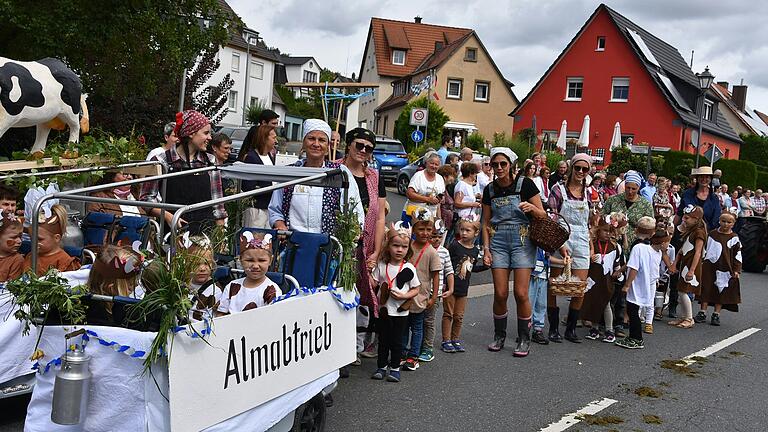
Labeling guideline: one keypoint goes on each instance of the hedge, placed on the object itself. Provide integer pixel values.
(762, 180)
(738, 173)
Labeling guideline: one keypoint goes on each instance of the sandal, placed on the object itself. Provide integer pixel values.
(675, 322)
(685, 324)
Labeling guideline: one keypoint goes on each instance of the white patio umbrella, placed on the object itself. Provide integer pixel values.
(584, 135)
(561, 138)
(616, 139)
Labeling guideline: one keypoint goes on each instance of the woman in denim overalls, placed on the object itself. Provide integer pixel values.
(570, 201)
(508, 247)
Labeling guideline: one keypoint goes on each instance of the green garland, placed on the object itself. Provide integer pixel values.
(348, 233)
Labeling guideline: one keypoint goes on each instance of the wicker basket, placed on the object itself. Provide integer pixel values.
(567, 287)
(548, 234)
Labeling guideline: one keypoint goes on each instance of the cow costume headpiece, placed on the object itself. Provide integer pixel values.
(251, 240)
(122, 267)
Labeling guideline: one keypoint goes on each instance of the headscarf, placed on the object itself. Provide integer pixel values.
(311, 125)
(188, 122)
(633, 177)
(506, 151)
(581, 157)
(360, 133)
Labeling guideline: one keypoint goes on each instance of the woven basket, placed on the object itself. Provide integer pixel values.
(548, 234)
(567, 287)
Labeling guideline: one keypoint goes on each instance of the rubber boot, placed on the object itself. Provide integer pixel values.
(553, 314)
(570, 326)
(499, 333)
(523, 338)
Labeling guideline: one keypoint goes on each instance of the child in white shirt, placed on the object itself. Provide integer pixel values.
(255, 289)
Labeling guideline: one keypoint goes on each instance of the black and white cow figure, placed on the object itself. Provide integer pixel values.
(45, 94)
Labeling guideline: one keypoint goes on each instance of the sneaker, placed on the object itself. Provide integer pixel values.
(393, 376)
(426, 355)
(715, 319)
(609, 337)
(357, 361)
(648, 328)
(594, 334)
(447, 346)
(379, 374)
(554, 336)
(497, 344)
(371, 351)
(459, 346)
(630, 343)
(620, 332)
(539, 338)
(411, 364)
(700, 317)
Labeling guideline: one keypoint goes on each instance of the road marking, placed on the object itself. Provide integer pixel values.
(569, 420)
(708, 351)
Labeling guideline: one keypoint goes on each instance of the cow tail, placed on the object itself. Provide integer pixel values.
(84, 123)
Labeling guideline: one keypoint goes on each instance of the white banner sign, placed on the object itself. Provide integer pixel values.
(419, 116)
(255, 356)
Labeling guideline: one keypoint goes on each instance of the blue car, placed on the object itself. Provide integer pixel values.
(390, 156)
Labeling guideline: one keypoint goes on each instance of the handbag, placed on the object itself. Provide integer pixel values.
(548, 234)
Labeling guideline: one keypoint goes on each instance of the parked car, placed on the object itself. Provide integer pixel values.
(236, 134)
(390, 157)
(406, 172)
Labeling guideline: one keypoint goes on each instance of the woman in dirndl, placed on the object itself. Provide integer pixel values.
(569, 199)
(507, 202)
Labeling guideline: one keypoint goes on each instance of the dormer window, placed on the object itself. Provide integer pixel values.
(470, 55)
(398, 57)
(438, 46)
(709, 110)
(600, 43)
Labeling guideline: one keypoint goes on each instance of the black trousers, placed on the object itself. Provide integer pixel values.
(635, 328)
(618, 302)
(390, 329)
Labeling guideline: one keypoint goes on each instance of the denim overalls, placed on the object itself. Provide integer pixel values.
(576, 213)
(511, 247)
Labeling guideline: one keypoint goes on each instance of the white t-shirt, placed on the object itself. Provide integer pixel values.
(646, 261)
(482, 182)
(468, 196)
(157, 151)
(422, 186)
(237, 298)
(386, 273)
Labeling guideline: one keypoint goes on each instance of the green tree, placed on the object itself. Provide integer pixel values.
(623, 160)
(475, 141)
(754, 149)
(253, 112)
(130, 54)
(211, 100)
(435, 122)
(310, 107)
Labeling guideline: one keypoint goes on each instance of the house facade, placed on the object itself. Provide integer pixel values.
(615, 71)
(298, 69)
(742, 118)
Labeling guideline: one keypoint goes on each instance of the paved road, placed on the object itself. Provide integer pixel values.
(484, 391)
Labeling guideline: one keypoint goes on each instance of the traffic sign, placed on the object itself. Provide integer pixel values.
(417, 136)
(419, 117)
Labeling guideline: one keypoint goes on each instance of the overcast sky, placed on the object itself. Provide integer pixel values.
(525, 36)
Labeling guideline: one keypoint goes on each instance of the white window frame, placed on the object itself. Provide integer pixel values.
(394, 57)
(600, 39)
(232, 101)
(257, 66)
(619, 82)
(709, 110)
(235, 62)
(487, 91)
(574, 81)
(448, 89)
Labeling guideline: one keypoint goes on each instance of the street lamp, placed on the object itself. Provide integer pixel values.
(705, 80)
(249, 41)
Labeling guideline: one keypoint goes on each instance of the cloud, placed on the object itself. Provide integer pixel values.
(525, 36)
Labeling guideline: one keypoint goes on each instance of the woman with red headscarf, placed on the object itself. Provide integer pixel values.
(194, 132)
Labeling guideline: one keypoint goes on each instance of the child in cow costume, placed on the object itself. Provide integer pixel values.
(53, 226)
(255, 289)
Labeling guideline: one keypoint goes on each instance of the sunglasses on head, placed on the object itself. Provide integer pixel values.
(362, 147)
(501, 164)
(581, 169)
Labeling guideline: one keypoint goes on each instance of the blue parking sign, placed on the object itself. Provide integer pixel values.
(417, 136)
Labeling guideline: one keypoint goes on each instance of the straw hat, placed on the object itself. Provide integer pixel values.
(703, 170)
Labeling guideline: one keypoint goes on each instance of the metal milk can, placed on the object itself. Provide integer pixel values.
(70, 390)
(74, 235)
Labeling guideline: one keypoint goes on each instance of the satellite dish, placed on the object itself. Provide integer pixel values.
(695, 138)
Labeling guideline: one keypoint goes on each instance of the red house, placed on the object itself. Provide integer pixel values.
(615, 71)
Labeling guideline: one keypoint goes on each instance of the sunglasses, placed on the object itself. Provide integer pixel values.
(581, 169)
(501, 165)
(364, 148)
(486, 164)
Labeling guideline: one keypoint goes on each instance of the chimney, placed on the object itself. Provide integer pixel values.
(417, 19)
(723, 84)
(739, 97)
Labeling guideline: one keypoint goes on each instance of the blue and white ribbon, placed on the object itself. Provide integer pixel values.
(294, 292)
(117, 347)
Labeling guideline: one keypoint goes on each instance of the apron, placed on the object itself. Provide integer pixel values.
(190, 189)
(576, 213)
